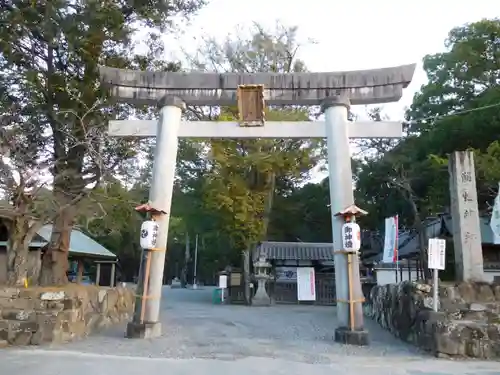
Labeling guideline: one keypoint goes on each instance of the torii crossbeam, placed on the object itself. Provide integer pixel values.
(272, 129)
(198, 88)
(335, 92)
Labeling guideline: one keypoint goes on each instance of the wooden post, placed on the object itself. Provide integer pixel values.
(246, 276)
(98, 274)
(351, 299)
(146, 286)
(79, 275)
(112, 278)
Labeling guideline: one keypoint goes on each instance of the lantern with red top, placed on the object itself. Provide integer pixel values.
(351, 232)
(149, 229)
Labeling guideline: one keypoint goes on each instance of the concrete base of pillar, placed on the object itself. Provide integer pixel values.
(346, 336)
(143, 330)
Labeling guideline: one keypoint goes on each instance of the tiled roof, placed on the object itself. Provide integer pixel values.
(442, 226)
(408, 241)
(295, 251)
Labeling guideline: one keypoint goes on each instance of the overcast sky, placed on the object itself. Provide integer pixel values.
(351, 34)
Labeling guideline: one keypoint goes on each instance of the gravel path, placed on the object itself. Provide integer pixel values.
(202, 338)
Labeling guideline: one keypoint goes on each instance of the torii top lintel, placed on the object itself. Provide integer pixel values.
(199, 88)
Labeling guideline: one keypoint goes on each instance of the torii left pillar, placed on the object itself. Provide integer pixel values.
(342, 196)
(146, 324)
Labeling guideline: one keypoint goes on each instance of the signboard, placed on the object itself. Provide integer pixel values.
(235, 279)
(391, 240)
(286, 274)
(436, 254)
(495, 219)
(306, 284)
(223, 281)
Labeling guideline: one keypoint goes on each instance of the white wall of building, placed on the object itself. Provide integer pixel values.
(489, 275)
(386, 276)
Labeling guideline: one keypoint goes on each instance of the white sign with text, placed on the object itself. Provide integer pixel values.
(436, 254)
(306, 284)
(223, 281)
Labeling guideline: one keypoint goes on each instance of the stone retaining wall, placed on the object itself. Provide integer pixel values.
(35, 316)
(466, 325)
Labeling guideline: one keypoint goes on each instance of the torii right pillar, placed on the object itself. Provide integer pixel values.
(342, 196)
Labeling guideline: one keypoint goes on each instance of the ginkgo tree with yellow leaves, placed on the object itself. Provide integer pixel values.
(244, 177)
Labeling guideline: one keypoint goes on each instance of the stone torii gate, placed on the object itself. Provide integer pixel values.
(335, 92)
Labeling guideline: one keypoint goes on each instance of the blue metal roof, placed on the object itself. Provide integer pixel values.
(484, 225)
(79, 243)
(34, 244)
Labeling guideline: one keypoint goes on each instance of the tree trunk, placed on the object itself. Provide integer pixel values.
(419, 227)
(20, 237)
(269, 203)
(246, 276)
(422, 237)
(186, 262)
(17, 254)
(422, 242)
(55, 260)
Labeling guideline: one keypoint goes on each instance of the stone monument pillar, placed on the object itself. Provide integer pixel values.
(261, 297)
(465, 216)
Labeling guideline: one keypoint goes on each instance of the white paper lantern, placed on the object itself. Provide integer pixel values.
(351, 237)
(149, 234)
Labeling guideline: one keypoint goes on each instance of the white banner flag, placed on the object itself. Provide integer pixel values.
(391, 240)
(495, 219)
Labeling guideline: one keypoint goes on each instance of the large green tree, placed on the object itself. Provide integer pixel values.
(246, 175)
(52, 50)
(225, 189)
(456, 110)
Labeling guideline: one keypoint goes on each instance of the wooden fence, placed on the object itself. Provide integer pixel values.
(286, 292)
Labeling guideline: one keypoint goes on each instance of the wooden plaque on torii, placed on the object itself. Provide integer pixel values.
(251, 105)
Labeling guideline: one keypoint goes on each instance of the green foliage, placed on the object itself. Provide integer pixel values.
(462, 81)
(243, 177)
(49, 57)
(302, 215)
(234, 193)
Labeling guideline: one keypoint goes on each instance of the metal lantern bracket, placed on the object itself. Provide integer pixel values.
(155, 214)
(348, 214)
